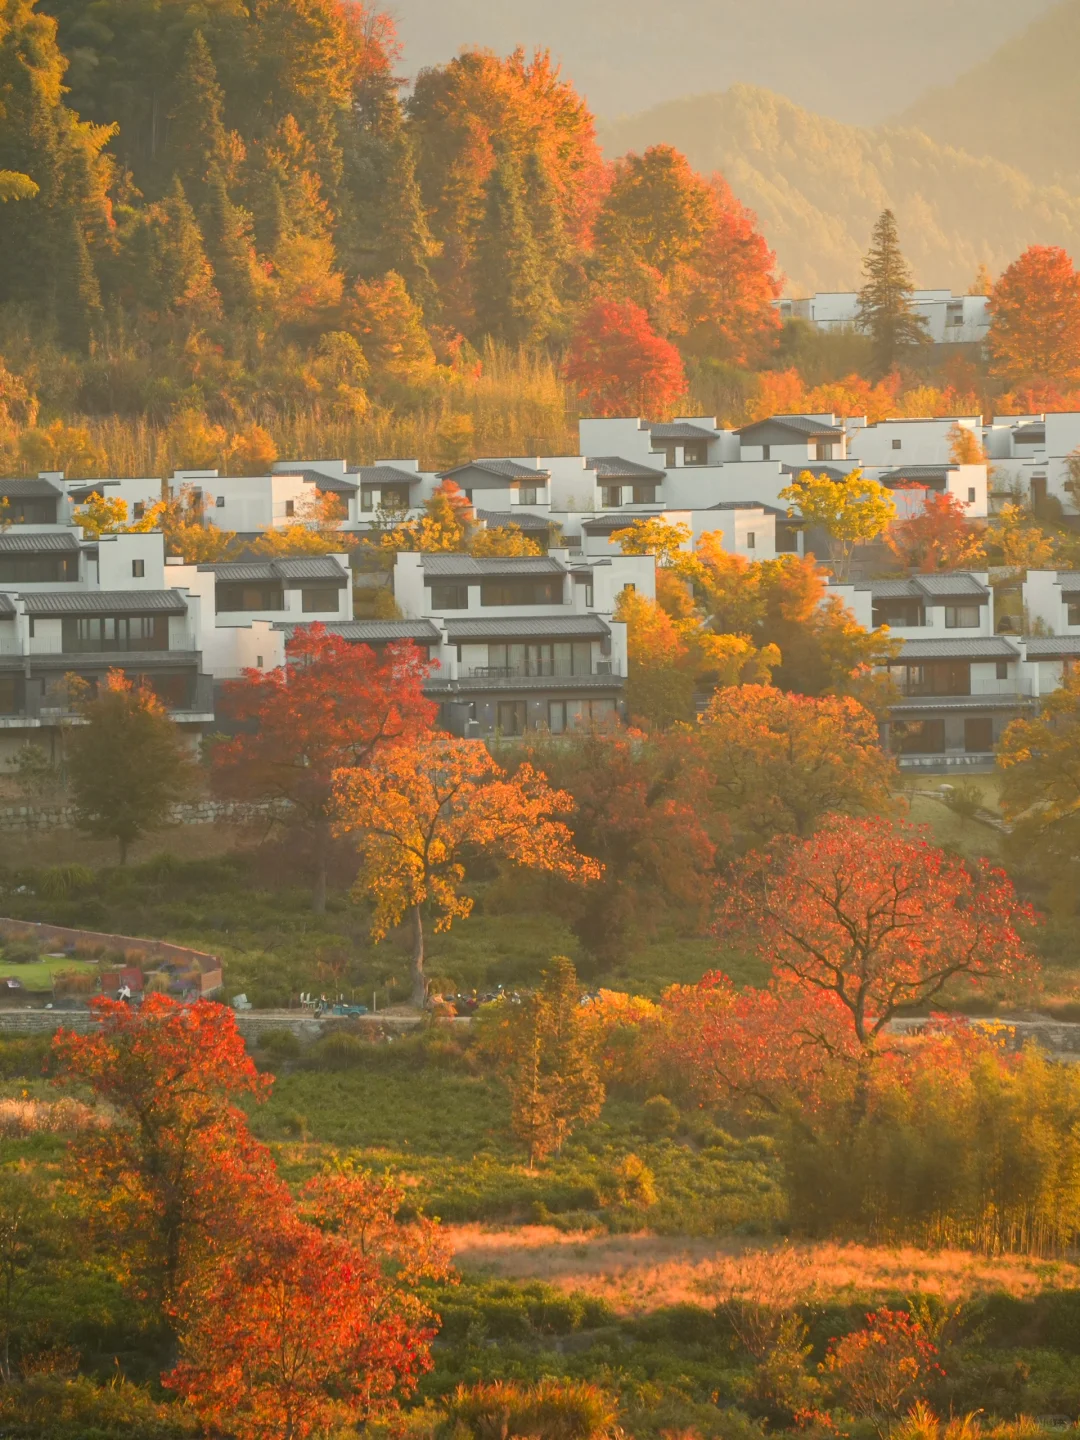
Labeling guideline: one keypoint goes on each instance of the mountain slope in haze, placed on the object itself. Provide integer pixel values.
(818, 185)
(866, 57)
(1022, 105)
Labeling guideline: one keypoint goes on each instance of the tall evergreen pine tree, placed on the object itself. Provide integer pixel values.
(198, 144)
(512, 281)
(227, 230)
(885, 310)
(77, 302)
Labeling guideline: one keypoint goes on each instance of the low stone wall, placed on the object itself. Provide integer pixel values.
(196, 812)
(59, 937)
(250, 1023)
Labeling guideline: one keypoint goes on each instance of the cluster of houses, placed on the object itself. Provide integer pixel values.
(529, 642)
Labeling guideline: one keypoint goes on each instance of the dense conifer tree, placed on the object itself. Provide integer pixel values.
(885, 310)
(512, 281)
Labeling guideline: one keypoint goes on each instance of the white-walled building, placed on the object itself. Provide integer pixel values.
(950, 319)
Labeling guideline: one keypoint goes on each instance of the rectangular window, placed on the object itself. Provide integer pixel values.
(9, 695)
(557, 717)
(449, 597)
(138, 569)
(766, 452)
(564, 657)
(522, 592)
(1002, 669)
(138, 510)
(694, 453)
(1073, 612)
(94, 634)
(971, 494)
(751, 540)
(234, 597)
(897, 444)
(320, 601)
(526, 494)
(510, 717)
(906, 613)
(917, 737)
(38, 569)
(370, 499)
(610, 496)
(290, 507)
(220, 502)
(824, 450)
(584, 587)
(978, 735)
(644, 494)
(961, 617)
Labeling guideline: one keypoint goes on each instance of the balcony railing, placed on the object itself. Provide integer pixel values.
(1013, 685)
(542, 668)
(57, 709)
(183, 641)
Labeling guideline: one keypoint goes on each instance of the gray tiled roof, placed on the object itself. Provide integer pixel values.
(681, 431)
(985, 647)
(748, 505)
(385, 475)
(17, 489)
(803, 425)
(7, 605)
(18, 542)
(105, 602)
(524, 519)
(620, 520)
(1069, 579)
(919, 474)
(506, 469)
(551, 627)
(831, 472)
(614, 467)
(947, 586)
(377, 632)
(468, 567)
(1032, 433)
(301, 567)
(1050, 647)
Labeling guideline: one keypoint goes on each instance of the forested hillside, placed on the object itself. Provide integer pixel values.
(228, 237)
(817, 185)
(1021, 106)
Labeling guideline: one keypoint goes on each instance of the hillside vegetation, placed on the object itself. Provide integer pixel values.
(1021, 105)
(817, 185)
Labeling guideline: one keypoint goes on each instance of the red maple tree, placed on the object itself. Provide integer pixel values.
(870, 912)
(331, 707)
(1035, 318)
(173, 1180)
(937, 537)
(294, 1335)
(619, 365)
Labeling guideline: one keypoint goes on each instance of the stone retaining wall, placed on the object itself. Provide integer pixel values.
(195, 812)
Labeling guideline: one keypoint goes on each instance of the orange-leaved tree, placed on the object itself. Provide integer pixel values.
(869, 911)
(417, 810)
(294, 1334)
(777, 762)
(174, 1182)
(333, 705)
(1035, 318)
(619, 365)
(937, 537)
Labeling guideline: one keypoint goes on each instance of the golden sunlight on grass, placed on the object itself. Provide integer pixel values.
(641, 1272)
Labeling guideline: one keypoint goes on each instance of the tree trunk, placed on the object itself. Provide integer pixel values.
(419, 984)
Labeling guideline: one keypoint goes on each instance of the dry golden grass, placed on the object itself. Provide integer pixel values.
(638, 1273)
(19, 1118)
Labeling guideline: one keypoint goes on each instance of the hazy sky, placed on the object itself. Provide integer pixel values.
(857, 60)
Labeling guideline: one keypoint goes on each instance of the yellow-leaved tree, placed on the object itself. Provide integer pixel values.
(849, 510)
(418, 809)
